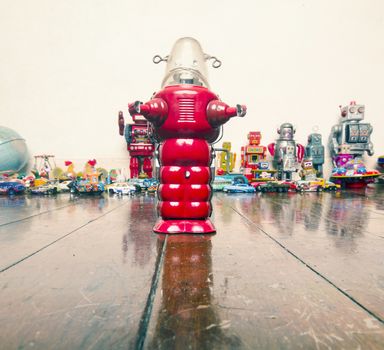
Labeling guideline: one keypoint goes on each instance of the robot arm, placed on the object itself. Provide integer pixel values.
(370, 149)
(370, 144)
(219, 112)
(271, 149)
(121, 123)
(155, 110)
(263, 155)
(335, 142)
(300, 152)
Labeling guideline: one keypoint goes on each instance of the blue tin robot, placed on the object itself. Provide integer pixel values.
(314, 151)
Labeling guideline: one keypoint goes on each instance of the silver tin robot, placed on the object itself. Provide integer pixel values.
(350, 136)
(286, 158)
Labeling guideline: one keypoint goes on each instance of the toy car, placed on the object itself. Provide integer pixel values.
(152, 189)
(143, 184)
(317, 185)
(65, 186)
(239, 188)
(90, 184)
(271, 186)
(220, 182)
(121, 188)
(331, 186)
(45, 189)
(11, 187)
(86, 187)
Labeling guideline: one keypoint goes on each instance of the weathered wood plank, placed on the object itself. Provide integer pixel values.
(339, 235)
(86, 291)
(240, 289)
(21, 207)
(23, 238)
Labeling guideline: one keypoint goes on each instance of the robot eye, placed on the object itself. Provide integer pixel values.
(343, 113)
(360, 109)
(352, 109)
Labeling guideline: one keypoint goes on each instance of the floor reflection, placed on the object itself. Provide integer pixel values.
(139, 229)
(309, 210)
(283, 210)
(187, 318)
(376, 194)
(12, 201)
(347, 218)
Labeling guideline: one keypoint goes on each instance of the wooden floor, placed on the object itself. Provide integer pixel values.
(284, 271)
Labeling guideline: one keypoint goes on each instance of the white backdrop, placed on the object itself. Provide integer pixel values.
(67, 67)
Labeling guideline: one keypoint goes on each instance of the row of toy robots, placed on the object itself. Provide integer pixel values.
(282, 162)
(48, 179)
(180, 123)
(349, 140)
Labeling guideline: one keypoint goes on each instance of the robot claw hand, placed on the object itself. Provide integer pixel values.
(135, 107)
(241, 110)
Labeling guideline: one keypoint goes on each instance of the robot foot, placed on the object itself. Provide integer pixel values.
(184, 226)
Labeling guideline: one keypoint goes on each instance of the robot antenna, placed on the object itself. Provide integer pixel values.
(157, 59)
(216, 62)
(315, 128)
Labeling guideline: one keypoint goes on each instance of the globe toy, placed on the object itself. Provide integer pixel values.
(13, 151)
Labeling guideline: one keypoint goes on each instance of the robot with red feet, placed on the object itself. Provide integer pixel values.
(140, 145)
(186, 118)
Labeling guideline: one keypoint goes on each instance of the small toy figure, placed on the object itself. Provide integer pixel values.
(285, 157)
(308, 172)
(186, 118)
(350, 139)
(227, 159)
(140, 145)
(70, 172)
(314, 151)
(89, 183)
(43, 166)
(253, 159)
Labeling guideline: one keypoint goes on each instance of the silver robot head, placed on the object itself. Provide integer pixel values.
(286, 131)
(353, 112)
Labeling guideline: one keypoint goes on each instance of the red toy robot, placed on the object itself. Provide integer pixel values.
(140, 145)
(252, 155)
(186, 117)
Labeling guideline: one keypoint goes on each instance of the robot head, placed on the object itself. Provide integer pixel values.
(352, 112)
(314, 139)
(307, 164)
(186, 64)
(286, 131)
(227, 145)
(254, 137)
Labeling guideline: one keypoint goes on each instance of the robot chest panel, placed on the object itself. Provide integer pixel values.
(140, 134)
(288, 150)
(357, 133)
(316, 152)
(187, 111)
